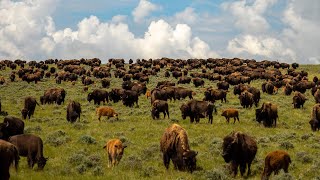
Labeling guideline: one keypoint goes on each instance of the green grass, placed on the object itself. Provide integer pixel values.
(75, 150)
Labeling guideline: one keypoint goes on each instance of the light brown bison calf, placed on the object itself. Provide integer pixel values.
(106, 111)
(275, 161)
(115, 150)
(231, 113)
(148, 94)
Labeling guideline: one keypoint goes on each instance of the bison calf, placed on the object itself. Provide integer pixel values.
(274, 162)
(231, 113)
(115, 150)
(106, 111)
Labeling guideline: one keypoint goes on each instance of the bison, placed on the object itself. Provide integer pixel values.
(215, 94)
(268, 113)
(197, 109)
(29, 107)
(229, 113)
(97, 96)
(53, 95)
(130, 97)
(30, 146)
(240, 149)
(11, 126)
(115, 150)
(73, 111)
(198, 82)
(159, 106)
(106, 111)
(246, 99)
(298, 99)
(274, 162)
(9, 155)
(174, 146)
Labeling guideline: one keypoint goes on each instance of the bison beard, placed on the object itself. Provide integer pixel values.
(239, 149)
(174, 146)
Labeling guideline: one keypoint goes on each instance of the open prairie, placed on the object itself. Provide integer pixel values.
(75, 150)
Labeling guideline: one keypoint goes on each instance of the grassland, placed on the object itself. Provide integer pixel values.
(75, 150)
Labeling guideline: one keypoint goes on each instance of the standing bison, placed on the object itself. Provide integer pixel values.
(97, 96)
(115, 150)
(73, 111)
(274, 162)
(30, 146)
(29, 107)
(106, 111)
(8, 155)
(240, 149)
(197, 109)
(159, 106)
(229, 113)
(268, 114)
(174, 146)
(298, 100)
(53, 95)
(11, 126)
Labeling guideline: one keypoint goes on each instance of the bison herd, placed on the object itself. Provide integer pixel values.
(238, 148)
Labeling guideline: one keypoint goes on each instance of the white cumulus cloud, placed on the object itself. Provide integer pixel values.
(143, 9)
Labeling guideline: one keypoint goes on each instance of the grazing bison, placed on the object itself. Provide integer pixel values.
(53, 95)
(73, 111)
(115, 150)
(159, 94)
(11, 126)
(239, 149)
(29, 107)
(184, 80)
(315, 125)
(230, 113)
(174, 146)
(268, 113)
(30, 146)
(197, 109)
(9, 155)
(159, 106)
(105, 83)
(106, 111)
(97, 96)
(274, 162)
(223, 85)
(298, 100)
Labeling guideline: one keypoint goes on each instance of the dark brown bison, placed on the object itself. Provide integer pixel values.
(317, 96)
(230, 113)
(159, 106)
(274, 162)
(53, 95)
(268, 114)
(197, 109)
(29, 107)
(315, 118)
(246, 99)
(11, 126)
(115, 94)
(184, 80)
(181, 93)
(30, 146)
(298, 99)
(240, 149)
(159, 94)
(223, 85)
(73, 111)
(105, 82)
(130, 97)
(174, 146)
(97, 96)
(215, 94)
(287, 89)
(198, 82)
(315, 125)
(9, 155)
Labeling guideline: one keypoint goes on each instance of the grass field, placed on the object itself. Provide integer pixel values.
(75, 150)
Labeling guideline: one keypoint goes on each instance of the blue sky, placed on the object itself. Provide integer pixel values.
(283, 30)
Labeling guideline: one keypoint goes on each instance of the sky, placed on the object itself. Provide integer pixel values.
(280, 30)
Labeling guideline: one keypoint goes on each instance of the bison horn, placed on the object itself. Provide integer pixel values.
(7, 124)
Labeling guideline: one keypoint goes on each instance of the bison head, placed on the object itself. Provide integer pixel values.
(3, 130)
(230, 145)
(42, 162)
(314, 123)
(24, 113)
(89, 98)
(184, 111)
(190, 160)
(155, 113)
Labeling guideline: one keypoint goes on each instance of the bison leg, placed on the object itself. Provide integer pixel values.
(249, 169)
(167, 113)
(191, 119)
(242, 169)
(210, 119)
(166, 161)
(234, 168)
